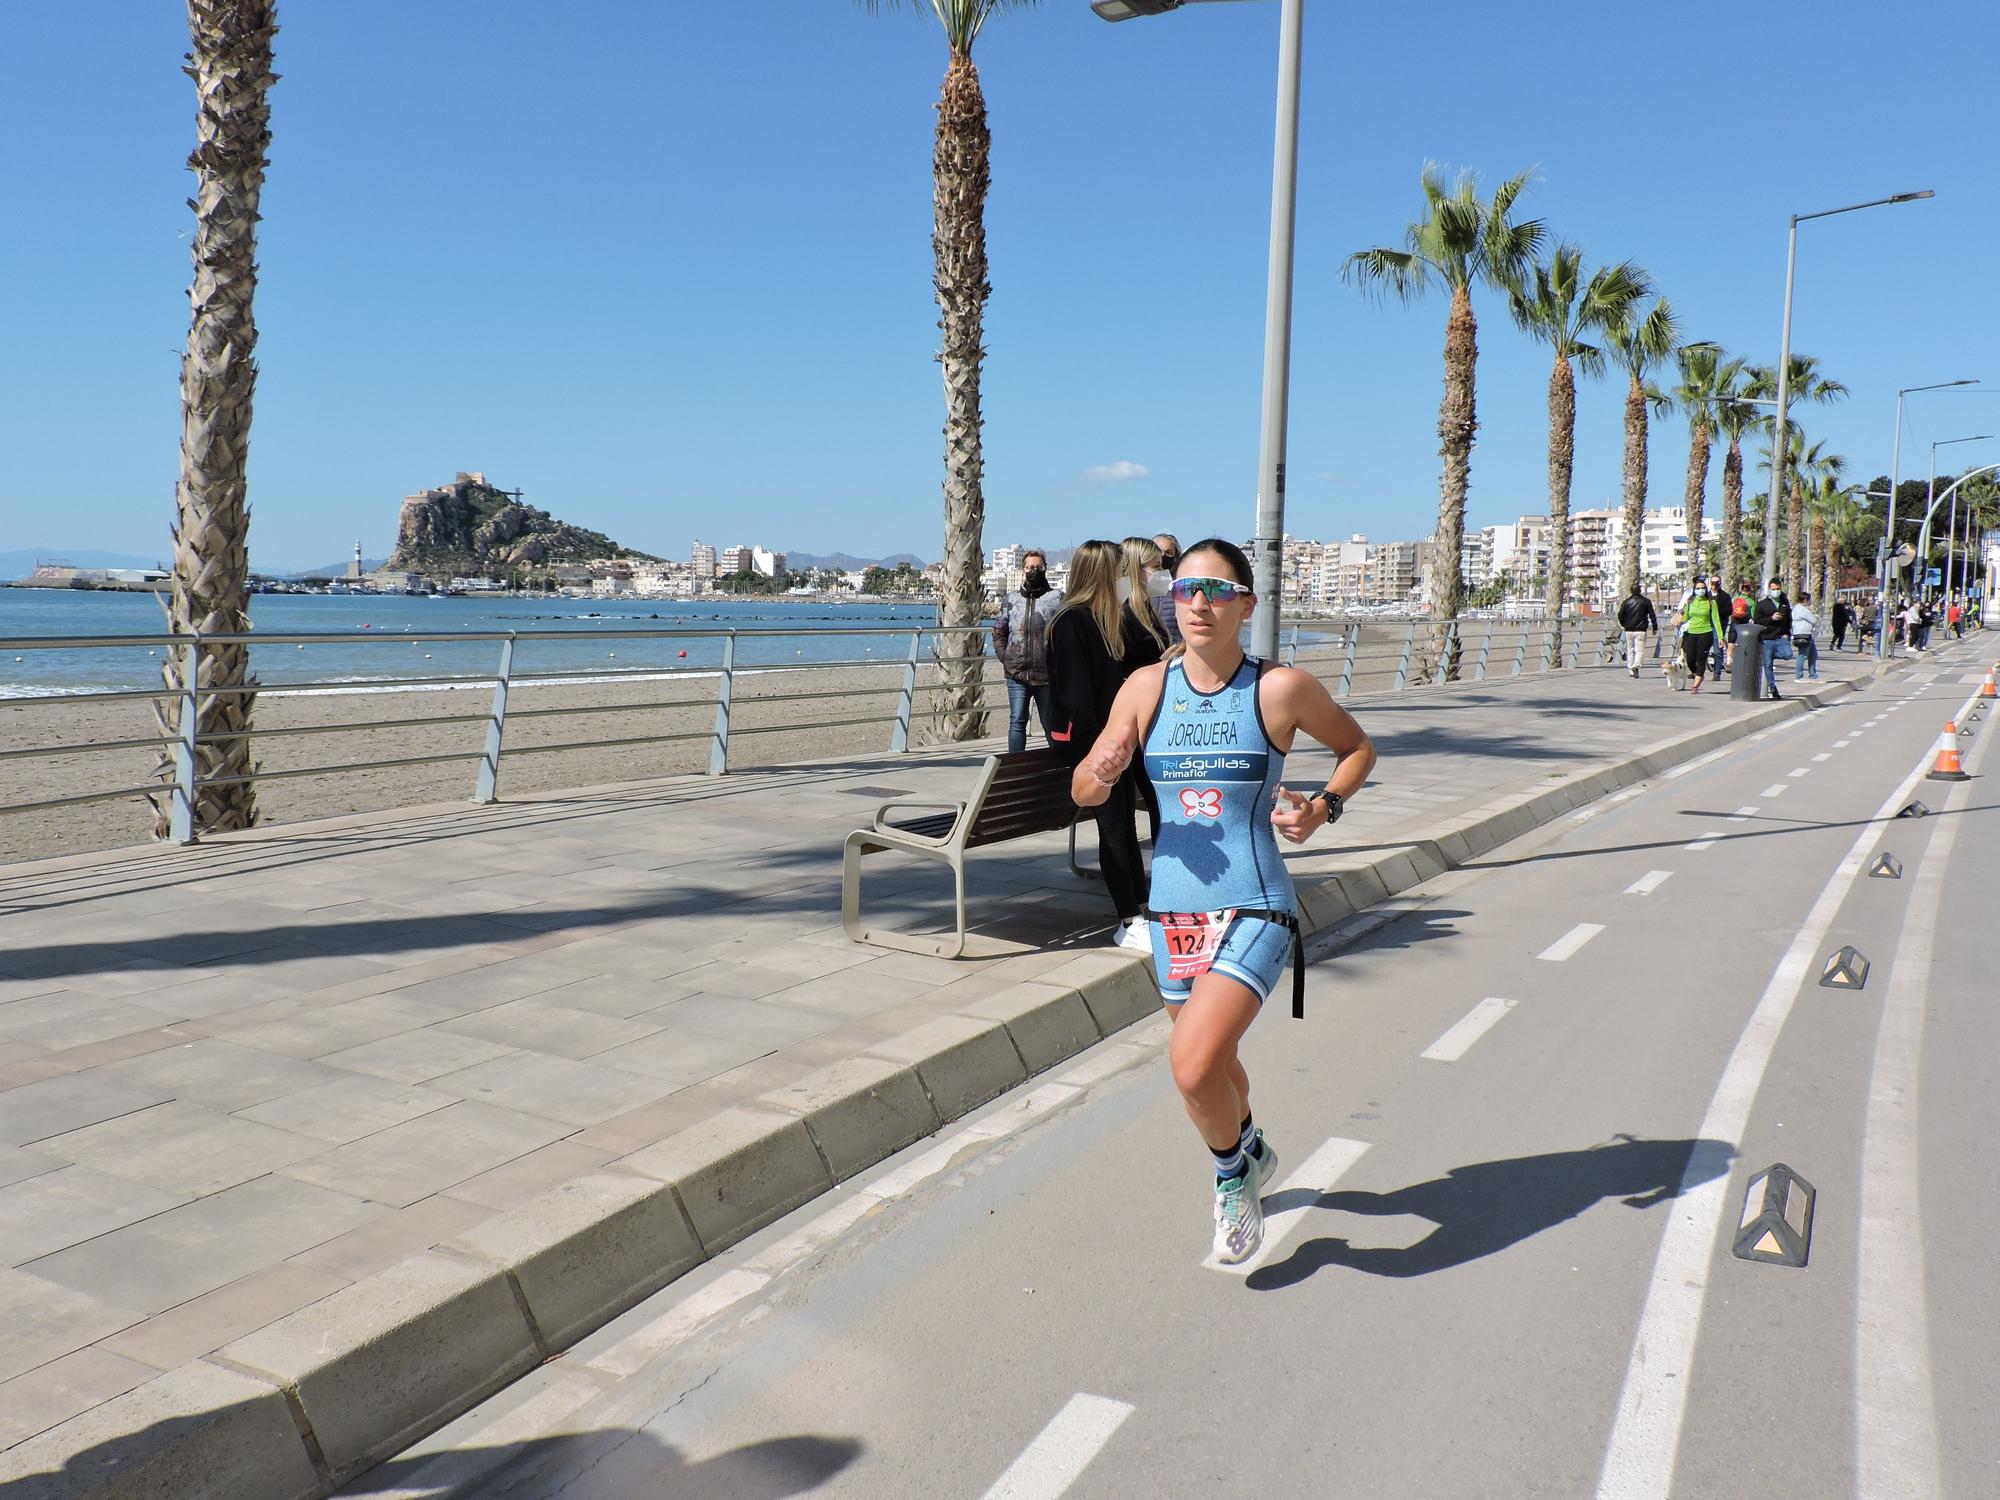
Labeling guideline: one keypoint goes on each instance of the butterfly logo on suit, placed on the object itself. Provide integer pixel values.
(1201, 802)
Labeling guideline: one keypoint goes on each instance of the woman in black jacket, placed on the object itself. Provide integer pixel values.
(1095, 643)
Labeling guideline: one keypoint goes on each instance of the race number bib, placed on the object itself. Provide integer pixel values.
(1193, 937)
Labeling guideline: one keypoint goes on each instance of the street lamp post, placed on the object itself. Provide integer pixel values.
(1267, 545)
(1778, 448)
(1930, 505)
(1895, 460)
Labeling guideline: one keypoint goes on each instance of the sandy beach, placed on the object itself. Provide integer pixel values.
(769, 725)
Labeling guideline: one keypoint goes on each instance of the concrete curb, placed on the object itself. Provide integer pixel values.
(298, 1408)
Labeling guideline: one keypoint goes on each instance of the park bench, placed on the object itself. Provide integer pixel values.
(1019, 793)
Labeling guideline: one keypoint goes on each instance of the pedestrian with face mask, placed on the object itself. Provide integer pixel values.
(1773, 619)
(1163, 598)
(1021, 641)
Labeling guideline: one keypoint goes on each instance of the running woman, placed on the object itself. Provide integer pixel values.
(1214, 726)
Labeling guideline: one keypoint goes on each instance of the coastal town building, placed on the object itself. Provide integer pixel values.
(701, 561)
(734, 560)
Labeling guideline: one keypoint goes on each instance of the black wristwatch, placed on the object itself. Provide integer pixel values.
(1334, 805)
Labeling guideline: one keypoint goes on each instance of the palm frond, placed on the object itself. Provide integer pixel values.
(962, 20)
(1382, 272)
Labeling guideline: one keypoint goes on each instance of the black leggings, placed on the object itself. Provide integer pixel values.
(1118, 847)
(1695, 646)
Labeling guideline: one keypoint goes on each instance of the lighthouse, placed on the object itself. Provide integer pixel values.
(354, 568)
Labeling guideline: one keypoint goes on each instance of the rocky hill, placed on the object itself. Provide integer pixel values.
(468, 528)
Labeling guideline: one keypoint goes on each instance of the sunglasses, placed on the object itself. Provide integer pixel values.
(1215, 590)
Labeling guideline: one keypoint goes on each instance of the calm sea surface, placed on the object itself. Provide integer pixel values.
(372, 639)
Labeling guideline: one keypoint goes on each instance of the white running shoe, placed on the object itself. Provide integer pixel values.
(1239, 1217)
(1133, 935)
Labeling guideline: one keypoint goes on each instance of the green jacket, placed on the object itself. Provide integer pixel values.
(1701, 615)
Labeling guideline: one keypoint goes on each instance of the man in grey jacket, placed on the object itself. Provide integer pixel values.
(1021, 641)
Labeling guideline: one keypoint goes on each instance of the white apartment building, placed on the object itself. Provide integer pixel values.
(1390, 575)
(702, 560)
(766, 562)
(1519, 549)
(734, 560)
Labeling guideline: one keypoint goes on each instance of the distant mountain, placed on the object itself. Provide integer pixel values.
(21, 562)
(337, 570)
(840, 562)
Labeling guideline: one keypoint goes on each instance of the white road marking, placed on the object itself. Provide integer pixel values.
(1564, 947)
(1842, 744)
(1801, 771)
(1775, 789)
(1895, 1415)
(1316, 1175)
(1649, 882)
(647, 1343)
(1824, 755)
(1458, 1041)
(1706, 841)
(1062, 1450)
(1741, 813)
(813, 1236)
(1645, 1438)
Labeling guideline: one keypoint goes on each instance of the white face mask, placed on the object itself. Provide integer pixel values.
(1158, 584)
(1124, 591)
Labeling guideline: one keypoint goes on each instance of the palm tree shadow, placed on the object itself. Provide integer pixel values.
(1490, 1206)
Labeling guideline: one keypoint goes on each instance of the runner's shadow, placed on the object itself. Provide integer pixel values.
(1490, 1206)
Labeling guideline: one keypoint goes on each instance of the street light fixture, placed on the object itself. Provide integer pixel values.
(1895, 462)
(1951, 527)
(1267, 544)
(1779, 434)
(1930, 503)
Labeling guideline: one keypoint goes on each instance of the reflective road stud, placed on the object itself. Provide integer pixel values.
(1777, 1218)
(1846, 970)
(1886, 867)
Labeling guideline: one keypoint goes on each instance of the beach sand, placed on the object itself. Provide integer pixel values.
(768, 726)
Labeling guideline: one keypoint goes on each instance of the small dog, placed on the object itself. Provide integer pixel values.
(1677, 674)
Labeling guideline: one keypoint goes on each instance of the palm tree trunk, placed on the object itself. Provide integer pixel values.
(1695, 497)
(1827, 583)
(962, 167)
(1732, 515)
(1562, 465)
(1457, 421)
(1635, 488)
(1795, 541)
(231, 67)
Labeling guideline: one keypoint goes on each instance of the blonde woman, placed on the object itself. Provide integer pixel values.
(1142, 583)
(1095, 643)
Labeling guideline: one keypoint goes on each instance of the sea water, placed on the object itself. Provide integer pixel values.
(366, 642)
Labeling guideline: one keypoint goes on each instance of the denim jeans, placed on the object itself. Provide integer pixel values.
(1770, 682)
(1019, 695)
(1808, 659)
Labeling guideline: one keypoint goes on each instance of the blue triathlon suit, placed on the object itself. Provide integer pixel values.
(1217, 775)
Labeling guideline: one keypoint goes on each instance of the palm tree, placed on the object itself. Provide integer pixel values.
(961, 170)
(1734, 419)
(1707, 379)
(231, 67)
(1805, 384)
(1805, 463)
(1559, 306)
(1639, 343)
(1837, 518)
(1461, 240)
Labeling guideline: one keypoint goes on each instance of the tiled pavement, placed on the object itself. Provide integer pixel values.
(236, 1078)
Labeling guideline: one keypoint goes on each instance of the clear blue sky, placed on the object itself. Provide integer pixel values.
(667, 267)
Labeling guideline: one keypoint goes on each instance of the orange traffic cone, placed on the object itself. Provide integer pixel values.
(1947, 767)
(1986, 687)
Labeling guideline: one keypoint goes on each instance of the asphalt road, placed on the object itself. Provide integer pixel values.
(1515, 1133)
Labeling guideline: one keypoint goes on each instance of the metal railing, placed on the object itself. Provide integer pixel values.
(1333, 650)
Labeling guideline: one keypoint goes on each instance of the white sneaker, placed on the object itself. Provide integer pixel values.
(1267, 1164)
(1239, 1218)
(1133, 935)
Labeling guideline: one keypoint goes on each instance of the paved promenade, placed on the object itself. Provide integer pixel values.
(240, 1078)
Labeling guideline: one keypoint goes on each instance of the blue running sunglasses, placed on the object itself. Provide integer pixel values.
(1216, 590)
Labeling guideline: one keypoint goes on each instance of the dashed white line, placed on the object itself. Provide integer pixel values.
(1316, 1175)
(1775, 789)
(1842, 744)
(1741, 813)
(1801, 771)
(1824, 755)
(1062, 1450)
(1456, 1042)
(1652, 1405)
(1706, 841)
(1649, 882)
(1565, 947)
